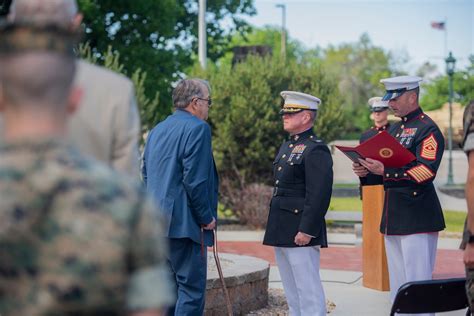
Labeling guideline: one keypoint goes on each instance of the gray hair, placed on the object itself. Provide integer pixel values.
(313, 115)
(187, 90)
(59, 12)
(417, 91)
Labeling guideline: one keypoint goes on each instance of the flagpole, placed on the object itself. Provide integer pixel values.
(445, 37)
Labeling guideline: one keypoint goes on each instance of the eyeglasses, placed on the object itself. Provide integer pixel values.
(209, 101)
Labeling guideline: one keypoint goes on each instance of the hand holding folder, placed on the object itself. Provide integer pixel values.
(382, 147)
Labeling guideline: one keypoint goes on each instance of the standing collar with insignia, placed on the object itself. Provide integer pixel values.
(410, 116)
(381, 128)
(303, 135)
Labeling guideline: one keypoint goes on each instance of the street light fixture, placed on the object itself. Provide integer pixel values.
(283, 29)
(450, 63)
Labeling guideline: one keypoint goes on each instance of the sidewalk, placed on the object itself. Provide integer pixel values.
(451, 203)
(341, 270)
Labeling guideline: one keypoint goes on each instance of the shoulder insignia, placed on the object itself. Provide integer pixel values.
(426, 119)
(429, 148)
(420, 173)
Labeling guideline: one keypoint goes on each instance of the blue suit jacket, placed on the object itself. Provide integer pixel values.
(180, 173)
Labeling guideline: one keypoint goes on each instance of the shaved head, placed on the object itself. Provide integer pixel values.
(59, 12)
(36, 81)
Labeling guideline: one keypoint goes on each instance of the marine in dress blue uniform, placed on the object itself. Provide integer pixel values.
(381, 107)
(303, 178)
(412, 215)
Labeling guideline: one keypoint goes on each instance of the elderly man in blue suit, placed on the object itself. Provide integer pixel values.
(179, 171)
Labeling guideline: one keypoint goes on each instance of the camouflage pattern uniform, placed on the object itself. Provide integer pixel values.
(75, 238)
(468, 145)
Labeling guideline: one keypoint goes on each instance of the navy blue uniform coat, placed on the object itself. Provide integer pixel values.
(411, 204)
(303, 178)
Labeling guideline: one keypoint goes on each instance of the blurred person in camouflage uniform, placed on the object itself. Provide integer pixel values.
(107, 123)
(468, 237)
(75, 237)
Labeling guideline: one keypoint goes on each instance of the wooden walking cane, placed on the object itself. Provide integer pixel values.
(221, 275)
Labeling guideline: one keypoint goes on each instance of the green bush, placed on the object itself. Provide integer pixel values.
(245, 114)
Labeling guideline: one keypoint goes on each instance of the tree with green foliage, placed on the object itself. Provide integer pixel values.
(245, 114)
(436, 92)
(160, 37)
(359, 68)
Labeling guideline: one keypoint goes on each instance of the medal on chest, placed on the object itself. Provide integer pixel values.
(407, 135)
(297, 152)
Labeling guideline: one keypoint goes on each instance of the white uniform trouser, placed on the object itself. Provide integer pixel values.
(299, 272)
(410, 258)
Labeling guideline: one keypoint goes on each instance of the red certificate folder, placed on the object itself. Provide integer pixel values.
(382, 147)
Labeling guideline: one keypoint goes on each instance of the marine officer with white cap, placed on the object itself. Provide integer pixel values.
(296, 227)
(412, 215)
(379, 115)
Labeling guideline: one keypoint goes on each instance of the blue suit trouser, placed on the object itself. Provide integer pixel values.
(189, 270)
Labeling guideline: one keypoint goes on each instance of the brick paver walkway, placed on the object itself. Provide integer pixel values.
(448, 262)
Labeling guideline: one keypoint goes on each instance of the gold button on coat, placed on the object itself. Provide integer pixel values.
(279, 168)
(296, 211)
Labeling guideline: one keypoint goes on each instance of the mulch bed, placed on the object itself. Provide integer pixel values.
(277, 305)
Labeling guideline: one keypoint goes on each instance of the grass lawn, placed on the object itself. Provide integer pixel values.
(346, 185)
(454, 220)
(345, 204)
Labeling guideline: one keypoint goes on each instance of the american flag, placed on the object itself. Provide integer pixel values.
(438, 25)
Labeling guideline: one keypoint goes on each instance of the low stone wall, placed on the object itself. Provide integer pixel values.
(246, 279)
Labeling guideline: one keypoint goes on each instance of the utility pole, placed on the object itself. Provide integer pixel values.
(202, 34)
(283, 29)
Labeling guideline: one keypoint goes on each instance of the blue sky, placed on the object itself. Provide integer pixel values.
(396, 25)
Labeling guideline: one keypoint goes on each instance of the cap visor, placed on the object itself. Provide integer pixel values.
(390, 95)
(290, 111)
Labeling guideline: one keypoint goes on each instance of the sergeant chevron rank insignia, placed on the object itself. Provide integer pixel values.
(429, 147)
